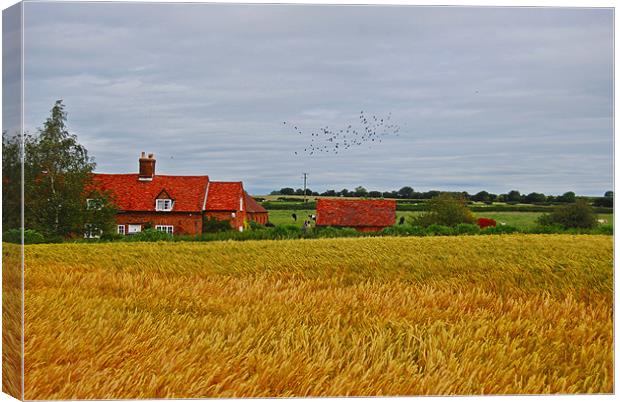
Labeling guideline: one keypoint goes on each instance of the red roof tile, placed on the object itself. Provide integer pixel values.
(251, 205)
(131, 194)
(224, 196)
(355, 213)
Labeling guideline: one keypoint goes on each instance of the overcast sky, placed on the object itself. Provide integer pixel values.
(488, 98)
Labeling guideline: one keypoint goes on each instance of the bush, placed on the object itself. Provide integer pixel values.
(467, 228)
(445, 210)
(439, 230)
(604, 230)
(149, 235)
(112, 236)
(577, 215)
(330, 232)
(546, 229)
(214, 225)
(400, 230)
(30, 236)
(12, 236)
(502, 229)
(256, 225)
(286, 232)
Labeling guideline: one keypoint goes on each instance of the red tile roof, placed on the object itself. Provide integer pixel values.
(131, 194)
(224, 196)
(355, 213)
(251, 205)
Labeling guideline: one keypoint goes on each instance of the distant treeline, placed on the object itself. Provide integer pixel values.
(421, 206)
(408, 193)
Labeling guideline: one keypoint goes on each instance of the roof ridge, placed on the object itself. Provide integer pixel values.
(157, 175)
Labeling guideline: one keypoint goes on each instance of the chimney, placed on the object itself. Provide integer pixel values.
(147, 167)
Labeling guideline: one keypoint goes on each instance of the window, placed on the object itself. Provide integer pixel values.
(131, 229)
(165, 228)
(94, 203)
(163, 204)
(121, 229)
(92, 232)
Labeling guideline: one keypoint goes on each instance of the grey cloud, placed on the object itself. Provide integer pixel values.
(488, 98)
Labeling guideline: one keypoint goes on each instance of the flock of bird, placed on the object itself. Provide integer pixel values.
(369, 131)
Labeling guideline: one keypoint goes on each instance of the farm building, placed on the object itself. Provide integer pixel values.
(363, 215)
(254, 211)
(175, 204)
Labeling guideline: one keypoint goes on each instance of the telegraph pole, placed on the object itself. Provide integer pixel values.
(305, 176)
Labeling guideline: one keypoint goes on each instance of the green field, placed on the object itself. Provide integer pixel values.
(517, 219)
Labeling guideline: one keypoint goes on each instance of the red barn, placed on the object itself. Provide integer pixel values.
(363, 215)
(174, 204)
(254, 211)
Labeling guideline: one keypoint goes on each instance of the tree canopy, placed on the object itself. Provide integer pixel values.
(57, 171)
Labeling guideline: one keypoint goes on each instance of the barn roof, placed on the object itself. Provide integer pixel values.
(355, 213)
(131, 194)
(251, 205)
(224, 196)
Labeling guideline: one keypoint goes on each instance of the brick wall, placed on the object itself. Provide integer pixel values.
(258, 217)
(183, 222)
(235, 222)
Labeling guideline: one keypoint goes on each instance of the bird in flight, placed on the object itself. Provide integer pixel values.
(371, 129)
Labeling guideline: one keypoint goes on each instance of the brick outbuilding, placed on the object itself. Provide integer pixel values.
(363, 215)
(254, 211)
(174, 204)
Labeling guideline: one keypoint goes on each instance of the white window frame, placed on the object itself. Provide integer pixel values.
(89, 233)
(94, 203)
(130, 226)
(165, 228)
(167, 204)
(120, 229)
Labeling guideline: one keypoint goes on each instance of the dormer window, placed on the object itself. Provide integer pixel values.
(163, 204)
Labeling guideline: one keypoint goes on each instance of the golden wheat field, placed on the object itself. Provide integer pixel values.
(328, 317)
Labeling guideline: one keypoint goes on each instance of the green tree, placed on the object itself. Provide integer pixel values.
(11, 181)
(576, 215)
(514, 196)
(609, 194)
(360, 191)
(481, 196)
(57, 173)
(446, 210)
(568, 197)
(406, 192)
(535, 197)
(98, 214)
(287, 191)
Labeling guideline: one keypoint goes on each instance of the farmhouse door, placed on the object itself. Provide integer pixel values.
(134, 229)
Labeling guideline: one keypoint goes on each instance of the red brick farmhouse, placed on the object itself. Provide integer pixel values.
(175, 204)
(363, 215)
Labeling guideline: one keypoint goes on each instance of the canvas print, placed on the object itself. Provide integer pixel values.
(291, 200)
